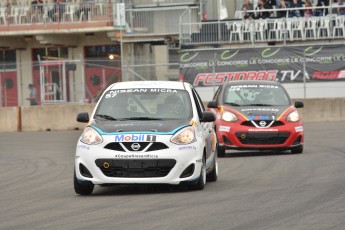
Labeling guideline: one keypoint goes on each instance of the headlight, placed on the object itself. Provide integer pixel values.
(229, 116)
(184, 136)
(293, 116)
(91, 137)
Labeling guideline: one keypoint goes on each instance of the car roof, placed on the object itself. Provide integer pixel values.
(252, 82)
(149, 84)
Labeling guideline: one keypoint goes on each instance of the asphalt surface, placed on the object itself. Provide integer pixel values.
(264, 190)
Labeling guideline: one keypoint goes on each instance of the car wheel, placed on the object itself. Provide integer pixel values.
(220, 151)
(297, 150)
(200, 185)
(213, 176)
(82, 188)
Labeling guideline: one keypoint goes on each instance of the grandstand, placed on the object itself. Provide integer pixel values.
(72, 49)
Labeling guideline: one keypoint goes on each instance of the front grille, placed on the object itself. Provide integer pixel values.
(250, 124)
(127, 146)
(135, 168)
(262, 138)
(157, 146)
(114, 146)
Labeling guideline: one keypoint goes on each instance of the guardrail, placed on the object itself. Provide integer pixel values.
(258, 30)
(139, 21)
(263, 30)
(145, 3)
(162, 20)
(24, 14)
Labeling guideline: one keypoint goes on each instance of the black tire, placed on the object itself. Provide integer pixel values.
(84, 188)
(200, 185)
(213, 176)
(297, 150)
(220, 151)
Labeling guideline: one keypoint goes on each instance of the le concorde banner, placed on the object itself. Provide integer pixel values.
(283, 64)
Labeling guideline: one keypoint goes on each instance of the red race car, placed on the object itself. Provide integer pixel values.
(256, 115)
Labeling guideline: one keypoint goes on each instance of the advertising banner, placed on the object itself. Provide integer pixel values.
(283, 64)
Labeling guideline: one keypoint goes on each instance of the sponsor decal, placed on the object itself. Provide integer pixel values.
(310, 52)
(186, 57)
(187, 148)
(299, 128)
(238, 87)
(135, 156)
(285, 62)
(262, 123)
(113, 93)
(84, 147)
(135, 146)
(124, 125)
(224, 128)
(266, 53)
(220, 78)
(263, 130)
(328, 75)
(260, 109)
(259, 117)
(135, 137)
(226, 56)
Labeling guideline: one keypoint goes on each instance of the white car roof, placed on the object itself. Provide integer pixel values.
(148, 84)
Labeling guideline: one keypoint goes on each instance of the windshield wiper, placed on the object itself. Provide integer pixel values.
(141, 118)
(104, 116)
(259, 105)
(231, 103)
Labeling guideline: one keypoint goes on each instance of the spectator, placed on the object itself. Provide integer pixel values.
(247, 6)
(341, 10)
(58, 10)
(308, 12)
(325, 3)
(318, 12)
(85, 9)
(296, 13)
(37, 6)
(272, 3)
(283, 5)
(33, 95)
(263, 5)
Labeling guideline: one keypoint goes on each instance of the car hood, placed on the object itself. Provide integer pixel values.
(260, 112)
(155, 126)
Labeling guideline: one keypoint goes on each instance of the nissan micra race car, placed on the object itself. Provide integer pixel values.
(256, 115)
(149, 132)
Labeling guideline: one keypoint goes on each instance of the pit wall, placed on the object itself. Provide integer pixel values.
(63, 117)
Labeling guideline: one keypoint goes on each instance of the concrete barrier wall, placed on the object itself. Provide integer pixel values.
(9, 119)
(63, 117)
(53, 117)
(317, 110)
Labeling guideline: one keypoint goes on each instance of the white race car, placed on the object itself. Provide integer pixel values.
(148, 132)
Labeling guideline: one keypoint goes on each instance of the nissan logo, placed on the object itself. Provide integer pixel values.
(135, 146)
(262, 123)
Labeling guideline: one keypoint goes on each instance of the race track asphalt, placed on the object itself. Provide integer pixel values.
(262, 190)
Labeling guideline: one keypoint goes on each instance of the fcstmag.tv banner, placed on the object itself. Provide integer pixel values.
(283, 64)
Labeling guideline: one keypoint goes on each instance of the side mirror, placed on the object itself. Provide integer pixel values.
(212, 104)
(83, 117)
(299, 104)
(208, 117)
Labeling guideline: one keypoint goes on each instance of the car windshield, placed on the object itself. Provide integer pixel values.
(144, 104)
(255, 95)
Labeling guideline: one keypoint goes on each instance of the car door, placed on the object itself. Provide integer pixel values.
(207, 130)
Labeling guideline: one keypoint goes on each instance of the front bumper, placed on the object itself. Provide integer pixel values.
(239, 137)
(172, 165)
